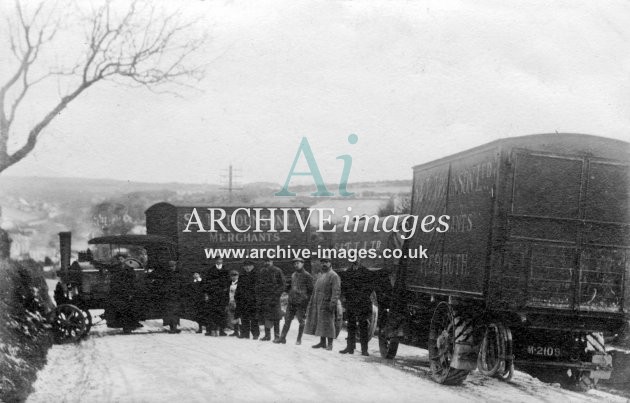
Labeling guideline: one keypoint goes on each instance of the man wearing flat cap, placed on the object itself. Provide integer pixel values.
(300, 291)
(320, 320)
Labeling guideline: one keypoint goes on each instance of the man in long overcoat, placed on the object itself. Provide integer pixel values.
(245, 298)
(170, 290)
(357, 285)
(121, 310)
(217, 289)
(320, 319)
(268, 291)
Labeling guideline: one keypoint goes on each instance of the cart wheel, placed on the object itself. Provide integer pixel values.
(371, 323)
(441, 345)
(69, 324)
(88, 321)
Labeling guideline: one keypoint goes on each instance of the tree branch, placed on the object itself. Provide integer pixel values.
(37, 129)
(135, 47)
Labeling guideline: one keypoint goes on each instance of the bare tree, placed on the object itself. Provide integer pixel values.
(138, 46)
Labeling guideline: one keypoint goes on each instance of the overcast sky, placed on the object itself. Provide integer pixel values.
(413, 80)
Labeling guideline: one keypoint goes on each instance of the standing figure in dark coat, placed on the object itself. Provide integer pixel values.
(120, 310)
(245, 298)
(268, 291)
(357, 285)
(320, 319)
(300, 291)
(197, 301)
(217, 288)
(61, 294)
(170, 290)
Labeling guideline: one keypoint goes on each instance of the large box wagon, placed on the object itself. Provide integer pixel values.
(533, 269)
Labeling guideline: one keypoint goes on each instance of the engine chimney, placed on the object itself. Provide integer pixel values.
(65, 244)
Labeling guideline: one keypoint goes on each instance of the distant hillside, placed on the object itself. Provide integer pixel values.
(34, 209)
(82, 188)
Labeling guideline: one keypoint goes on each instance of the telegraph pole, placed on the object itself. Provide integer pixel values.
(231, 174)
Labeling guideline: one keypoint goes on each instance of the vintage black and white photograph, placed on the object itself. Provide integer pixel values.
(314, 201)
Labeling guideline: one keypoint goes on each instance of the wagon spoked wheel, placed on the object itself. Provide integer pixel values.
(88, 321)
(495, 354)
(441, 346)
(69, 324)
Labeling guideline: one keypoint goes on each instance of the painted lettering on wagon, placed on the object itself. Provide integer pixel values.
(473, 179)
(461, 223)
(243, 237)
(453, 264)
(373, 244)
(464, 180)
(430, 188)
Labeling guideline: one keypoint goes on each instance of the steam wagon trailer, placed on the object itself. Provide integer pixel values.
(533, 270)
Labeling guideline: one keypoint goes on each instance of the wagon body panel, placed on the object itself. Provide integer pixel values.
(537, 224)
(462, 189)
(172, 221)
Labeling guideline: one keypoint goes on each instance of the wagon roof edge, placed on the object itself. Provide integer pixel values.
(142, 240)
(522, 141)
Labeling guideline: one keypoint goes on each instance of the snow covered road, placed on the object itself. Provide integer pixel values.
(152, 366)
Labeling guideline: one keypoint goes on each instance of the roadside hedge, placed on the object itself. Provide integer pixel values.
(24, 330)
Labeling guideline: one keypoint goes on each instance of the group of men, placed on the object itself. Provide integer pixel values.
(253, 297)
(313, 302)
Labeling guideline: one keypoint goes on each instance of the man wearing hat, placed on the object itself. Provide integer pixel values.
(217, 288)
(357, 286)
(245, 298)
(320, 320)
(300, 291)
(269, 288)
